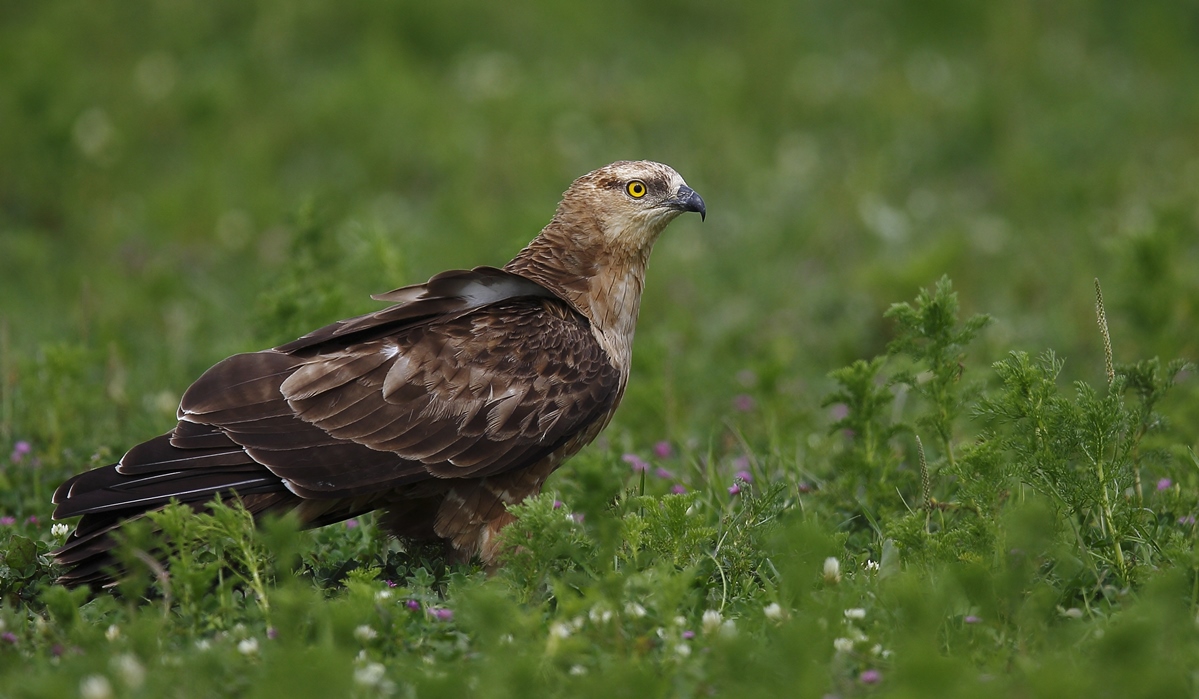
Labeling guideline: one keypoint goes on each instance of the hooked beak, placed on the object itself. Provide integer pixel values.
(686, 199)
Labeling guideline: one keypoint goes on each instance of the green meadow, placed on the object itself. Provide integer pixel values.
(881, 437)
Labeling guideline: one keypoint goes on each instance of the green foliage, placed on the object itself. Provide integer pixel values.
(183, 181)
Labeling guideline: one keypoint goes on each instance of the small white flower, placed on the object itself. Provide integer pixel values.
(369, 675)
(113, 632)
(59, 530)
(248, 646)
(599, 615)
(95, 687)
(365, 633)
(634, 610)
(832, 570)
(855, 613)
(383, 595)
(773, 612)
(203, 644)
(711, 621)
(876, 649)
(871, 566)
(843, 645)
(577, 670)
(682, 650)
(559, 630)
(131, 671)
(680, 621)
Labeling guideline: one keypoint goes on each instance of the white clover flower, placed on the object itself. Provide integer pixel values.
(365, 633)
(680, 621)
(634, 610)
(131, 671)
(383, 595)
(832, 570)
(113, 632)
(59, 530)
(248, 646)
(855, 613)
(599, 615)
(843, 645)
(773, 611)
(203, 644)
(711, 621)
(682, 650)
(369, 675)
(95, 687)
(560, 630)
(578, 670)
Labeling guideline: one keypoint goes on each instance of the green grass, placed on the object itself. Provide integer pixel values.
(181, 181)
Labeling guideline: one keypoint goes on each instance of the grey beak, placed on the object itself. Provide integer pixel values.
(686, 199)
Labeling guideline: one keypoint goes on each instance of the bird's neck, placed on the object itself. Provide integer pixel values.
(602, 282)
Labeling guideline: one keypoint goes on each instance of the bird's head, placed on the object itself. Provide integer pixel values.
(631, 201)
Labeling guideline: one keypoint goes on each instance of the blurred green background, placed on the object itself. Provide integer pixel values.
(183, 180)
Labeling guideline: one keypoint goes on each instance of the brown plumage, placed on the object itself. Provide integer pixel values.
(442, 409)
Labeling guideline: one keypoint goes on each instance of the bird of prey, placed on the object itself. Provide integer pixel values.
(442, 409)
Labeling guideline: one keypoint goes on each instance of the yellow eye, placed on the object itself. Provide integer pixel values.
(636, 189)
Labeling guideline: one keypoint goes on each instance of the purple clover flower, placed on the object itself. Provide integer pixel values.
(7, 521)
(390, 582)
(663, 450)
(19, 450)
(688, 634)
(1187, 520)
(9, 637)
(743, 476)
(413, 605)
(442, 614)
(664, 473)
(637, 463)
(32, 520)
(734, 489)
(743, 403)
(678, 489)
(558, 504)
(1164, 484)
(870, 677)
(578, 517)
(971, 619)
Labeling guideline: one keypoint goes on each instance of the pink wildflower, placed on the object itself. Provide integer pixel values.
(19, 450)
(734, 489)
(663, 450)
(664, 473)
(743, 403)
(351, 524)
(870, 677)
(7, 521)
(1164, 484)
(637, 463)
(678, 489)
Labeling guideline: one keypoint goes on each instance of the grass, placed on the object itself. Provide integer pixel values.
(1009, 492)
